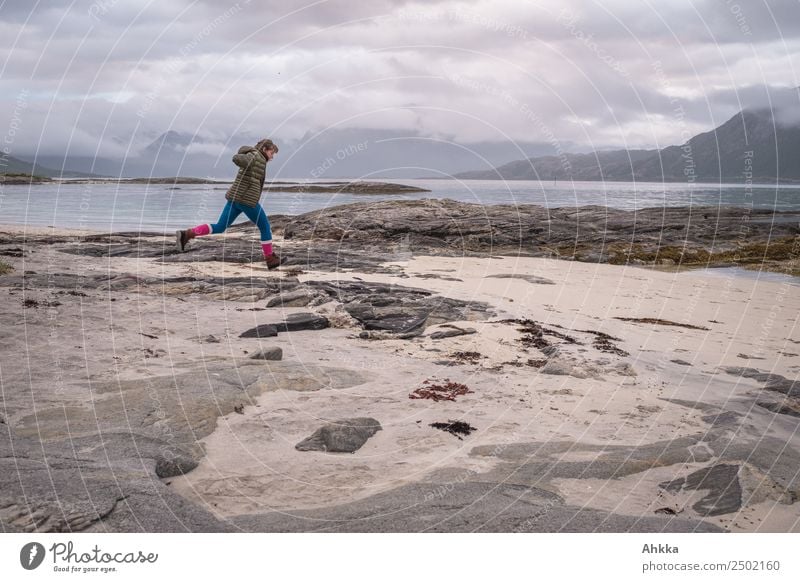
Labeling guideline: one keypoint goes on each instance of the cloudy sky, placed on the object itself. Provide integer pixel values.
(109, 76)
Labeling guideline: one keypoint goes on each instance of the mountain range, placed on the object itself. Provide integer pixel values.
(338, 153)
(753, 145)
(12, 165)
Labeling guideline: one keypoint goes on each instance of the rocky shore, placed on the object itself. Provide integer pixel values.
(668, 236)
(414, 366)
(15, 179)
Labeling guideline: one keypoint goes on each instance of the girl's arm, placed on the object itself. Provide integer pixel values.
(243, 160)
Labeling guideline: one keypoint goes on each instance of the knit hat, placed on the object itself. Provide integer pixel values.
(268, 143)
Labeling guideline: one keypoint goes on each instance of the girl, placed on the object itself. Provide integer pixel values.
(243, 196)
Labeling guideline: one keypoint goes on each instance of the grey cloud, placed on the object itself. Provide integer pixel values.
(685, 21)
(784, 101)
(588, 70)
(22, 10)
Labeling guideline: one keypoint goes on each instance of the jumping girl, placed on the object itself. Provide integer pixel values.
(243, 196)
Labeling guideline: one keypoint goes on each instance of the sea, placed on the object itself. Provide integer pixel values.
(113, 207)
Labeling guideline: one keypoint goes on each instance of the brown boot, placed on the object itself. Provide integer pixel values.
(182, 237)
(273, 261)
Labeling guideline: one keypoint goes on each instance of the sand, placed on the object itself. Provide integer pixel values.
(594, 400)
(251, 463)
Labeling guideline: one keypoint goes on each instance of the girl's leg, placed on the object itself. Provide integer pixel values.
(229, 213)
(257, 215)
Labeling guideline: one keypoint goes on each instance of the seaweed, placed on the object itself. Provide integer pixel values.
(457, 428)
(447, 390)
(467, 357)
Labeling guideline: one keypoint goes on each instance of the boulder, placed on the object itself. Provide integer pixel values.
(342, 436)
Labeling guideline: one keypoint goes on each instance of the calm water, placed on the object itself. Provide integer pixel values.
(159, 208)
(741, 273)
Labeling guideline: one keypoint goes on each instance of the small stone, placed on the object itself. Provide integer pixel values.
(209, 339)
(681, 362)
(274, 353)
(550, 351)
(178, 465)
(452, 331)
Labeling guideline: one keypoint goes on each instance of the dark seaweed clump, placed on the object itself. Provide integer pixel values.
(457, 428)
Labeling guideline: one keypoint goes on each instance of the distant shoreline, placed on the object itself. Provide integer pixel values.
(761, 182)
(17, 179)
(326, 187)
(301, 181)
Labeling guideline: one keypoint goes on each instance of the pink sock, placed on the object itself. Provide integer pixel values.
(202, 230)
(267, 248)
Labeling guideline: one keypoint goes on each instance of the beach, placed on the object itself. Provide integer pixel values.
(598, 397)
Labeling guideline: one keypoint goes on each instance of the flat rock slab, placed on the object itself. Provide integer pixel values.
(314, 255)
(91, 484)
(765, 464)
(789, 406)
(180, 408)
(721, 482)
(728, 419)
(538, 463)
(226, 288)
(105, 476)
(302, 322)
(398, 322)
(294, 298)
(264, 330)
(452, 331)
(293, 322)
(455, 505)
(396, 309)
(773, 382)
(342, 436)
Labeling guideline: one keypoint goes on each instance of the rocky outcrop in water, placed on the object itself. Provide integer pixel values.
(588, 233)
(365, 236)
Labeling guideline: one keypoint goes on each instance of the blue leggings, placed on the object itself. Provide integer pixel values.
(255, 213)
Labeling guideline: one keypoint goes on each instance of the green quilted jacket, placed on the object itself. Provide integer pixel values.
(246, 188)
